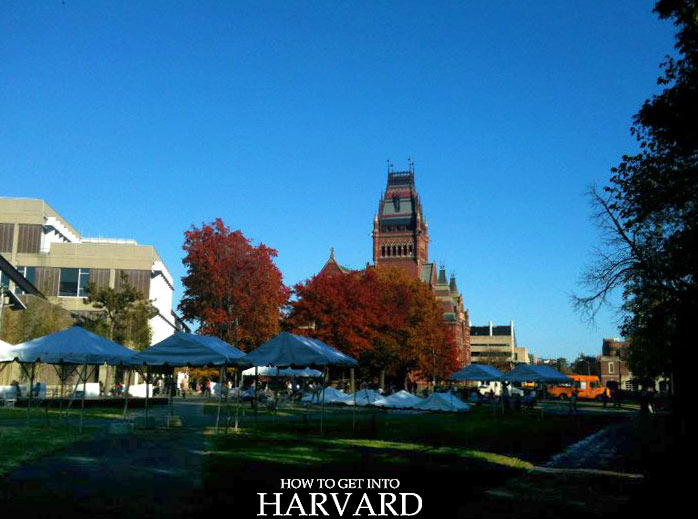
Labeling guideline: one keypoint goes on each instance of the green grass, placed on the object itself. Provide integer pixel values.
(36, 413)
(21, 445)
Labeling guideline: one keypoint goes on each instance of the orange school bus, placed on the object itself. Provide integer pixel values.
(587, 386)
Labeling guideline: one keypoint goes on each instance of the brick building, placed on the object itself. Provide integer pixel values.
(401, 239)
(614, 366)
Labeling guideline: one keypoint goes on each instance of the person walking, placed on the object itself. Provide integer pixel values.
(573, 402)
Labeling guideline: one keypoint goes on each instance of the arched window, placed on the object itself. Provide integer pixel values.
(383, 251)
(394, 251)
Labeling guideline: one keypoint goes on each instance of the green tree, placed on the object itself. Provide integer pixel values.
(124, 314)
(649, 217)
(586, 365)
(39, 319)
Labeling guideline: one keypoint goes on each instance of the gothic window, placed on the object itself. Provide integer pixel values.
(383, 251)
(394, 251)
(410, 249)
(396, 203)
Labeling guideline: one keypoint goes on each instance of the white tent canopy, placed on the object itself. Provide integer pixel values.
(288, 350)
(477, 372)
(188, 349)
(271, 371)
(535, 373)
(400, 400)
(71, 346)
(444, 402)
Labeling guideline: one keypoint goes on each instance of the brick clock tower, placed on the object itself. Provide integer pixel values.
(401, 239)
(400, 233)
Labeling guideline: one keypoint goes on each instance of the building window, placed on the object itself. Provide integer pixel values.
(383, 251)
(73, 282)
(610, 367)
(30, 274)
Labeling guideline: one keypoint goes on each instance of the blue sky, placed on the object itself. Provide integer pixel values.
(138, 119)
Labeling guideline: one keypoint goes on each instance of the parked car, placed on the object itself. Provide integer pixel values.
(587, 386)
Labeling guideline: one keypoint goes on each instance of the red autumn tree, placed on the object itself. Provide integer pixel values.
(232, 288)
(386, 319)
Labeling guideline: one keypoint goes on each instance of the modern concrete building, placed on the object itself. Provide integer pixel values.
(59, 261)
(496, 345)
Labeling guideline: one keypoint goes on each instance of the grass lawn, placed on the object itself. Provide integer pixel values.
(434, 454)
(24, 444)
(38, 414)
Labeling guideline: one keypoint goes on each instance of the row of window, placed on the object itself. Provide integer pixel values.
(72, 282)
(396, 250)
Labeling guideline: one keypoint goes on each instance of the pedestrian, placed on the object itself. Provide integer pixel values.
(207, 388)
(573, 402)
(604, 397)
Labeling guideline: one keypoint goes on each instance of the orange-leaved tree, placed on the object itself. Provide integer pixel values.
(386, 319)
(232, 288)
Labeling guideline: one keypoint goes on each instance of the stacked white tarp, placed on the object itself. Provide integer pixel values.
(400, 400)
(72, 346)
(331, 395)
(364, 397)
(188, 349)
(138, 390)
(443, 402)
(288, 350)
(270, 371)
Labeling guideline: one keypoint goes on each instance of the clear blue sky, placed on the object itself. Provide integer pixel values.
(137, 119)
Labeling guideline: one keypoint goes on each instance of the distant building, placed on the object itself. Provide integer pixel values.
(54, 257)
(401, 240)
(615, 371)
(496, 345)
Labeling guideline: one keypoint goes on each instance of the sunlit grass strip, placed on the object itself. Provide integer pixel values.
(21, 445)
(283, 448)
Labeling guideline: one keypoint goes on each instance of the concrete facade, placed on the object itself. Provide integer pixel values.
(496, 345)
(59, 261)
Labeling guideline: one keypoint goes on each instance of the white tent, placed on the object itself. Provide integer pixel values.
(400, 400)
(270, 371)
(188, 349)
(364, 397)
(288, 350)
(72, 346)
(535, 373)
(444, 402)
(477, 372)
(331, 395)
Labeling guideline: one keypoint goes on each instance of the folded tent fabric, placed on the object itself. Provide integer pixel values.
(289, 350)
(477, 372)
(400, 400)
(332, 396)
(364, 397)
(188, 349)
(443, 402)
(71, 346)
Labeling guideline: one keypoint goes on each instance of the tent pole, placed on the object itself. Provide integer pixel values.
(256, 397)
(128, 386)
(147, 378)
(322, 412)
(171, 390)
(30, 373)
(353, 411)
(220, 396)
(237, 406)
(84, 391)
